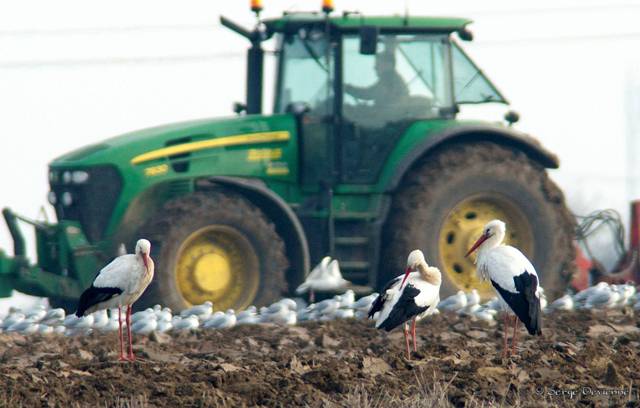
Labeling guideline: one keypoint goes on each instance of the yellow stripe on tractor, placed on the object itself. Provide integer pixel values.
(250, 138)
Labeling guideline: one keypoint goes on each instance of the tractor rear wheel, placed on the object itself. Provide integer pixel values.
(445, 200)
(214, 246)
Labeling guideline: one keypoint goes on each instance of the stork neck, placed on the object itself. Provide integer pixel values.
(147, 263)
(431, 275)
(491, 242)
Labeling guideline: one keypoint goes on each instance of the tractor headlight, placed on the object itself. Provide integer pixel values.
(53, 177)
(67, 199)
(51, 197)
(66, 177)
(79, 177)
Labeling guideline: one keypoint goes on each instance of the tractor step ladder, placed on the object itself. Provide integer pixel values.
(352, 244)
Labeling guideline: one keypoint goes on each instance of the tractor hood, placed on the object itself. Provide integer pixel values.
(178, 138)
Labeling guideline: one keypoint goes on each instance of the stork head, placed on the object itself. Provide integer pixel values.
(493, 231)
(143, 249)
(415, 258)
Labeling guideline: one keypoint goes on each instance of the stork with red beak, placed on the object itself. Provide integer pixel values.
(410, 296)
(513, 277)
(119, 284)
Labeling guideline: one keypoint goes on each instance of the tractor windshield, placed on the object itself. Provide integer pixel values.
(407, 78)
(306, 72)
(470, 84)
(411, 76)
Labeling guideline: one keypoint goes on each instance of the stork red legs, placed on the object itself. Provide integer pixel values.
(506, 328)
(119, 284)
(122, 357)
(399, 302)
(131, 356)
(413, 334)
(507, 322)
(410, 334)
(514, 339)
(514, 279)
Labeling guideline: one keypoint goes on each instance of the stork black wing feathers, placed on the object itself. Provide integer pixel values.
(525, 304)
(404, 309)
(93, 296)
(378, 303)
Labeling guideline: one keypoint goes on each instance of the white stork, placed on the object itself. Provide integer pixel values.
(119, 284)
(398, 303)
(513, 277)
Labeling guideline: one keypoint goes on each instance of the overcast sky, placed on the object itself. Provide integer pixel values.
(75, 72)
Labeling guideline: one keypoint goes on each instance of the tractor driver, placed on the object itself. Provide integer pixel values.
(389, 90)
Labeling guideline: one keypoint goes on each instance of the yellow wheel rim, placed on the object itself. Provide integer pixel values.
(217, 263)
(463, 226)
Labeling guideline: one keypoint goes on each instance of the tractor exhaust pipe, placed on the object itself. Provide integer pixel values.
(18, 239)
(255, 59)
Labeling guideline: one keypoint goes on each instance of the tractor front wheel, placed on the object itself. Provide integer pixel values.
(214, 246)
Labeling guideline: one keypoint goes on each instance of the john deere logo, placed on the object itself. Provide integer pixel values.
(156, 170)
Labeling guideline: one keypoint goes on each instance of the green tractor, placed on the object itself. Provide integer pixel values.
(363, 159)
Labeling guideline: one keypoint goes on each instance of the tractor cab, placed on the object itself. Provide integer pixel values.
(361, 82)
(386, 73)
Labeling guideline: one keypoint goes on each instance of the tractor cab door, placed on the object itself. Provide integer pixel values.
(383, 94)
(306, 87)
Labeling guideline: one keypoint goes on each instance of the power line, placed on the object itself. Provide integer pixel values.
(73, 63)
(560, 39)
(66, 63)
(106, 30)
(561, 9)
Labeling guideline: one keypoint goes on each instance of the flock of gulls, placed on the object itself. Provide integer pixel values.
(407, 298)
(43, 320)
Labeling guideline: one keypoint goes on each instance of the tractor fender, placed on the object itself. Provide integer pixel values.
(473, 133)
(277, 210)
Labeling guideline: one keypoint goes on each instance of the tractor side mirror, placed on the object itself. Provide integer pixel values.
(465, 34)
(511, 117)
(239, 107)
(368, 40)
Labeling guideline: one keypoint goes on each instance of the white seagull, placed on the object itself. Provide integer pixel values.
(189, 323)
(100, 319)
(119, 284)
(325, 276)
(12, 319)
(54, 316)
(45, 329)
(364, 303)
(220, 320)
(563, 303)
(145, 326)
(202, 311)
(580, 298)
(626, 291)
(605, 298)
(410, 296)
(473, 298)
(248, 316)
(454, 302)
(512, 276)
